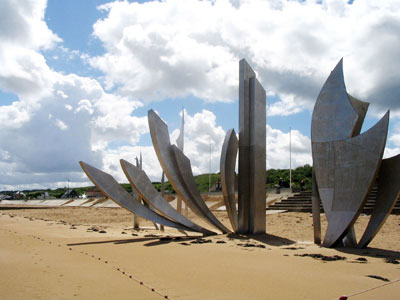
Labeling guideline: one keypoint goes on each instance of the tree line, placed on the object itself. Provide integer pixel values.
(202, 182)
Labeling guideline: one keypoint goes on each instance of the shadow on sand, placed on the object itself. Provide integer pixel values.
(371, 252)
(268, 239)
(24, 207)
(153, 240)
(157, 240)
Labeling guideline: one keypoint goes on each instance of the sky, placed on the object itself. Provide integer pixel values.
(77, 78)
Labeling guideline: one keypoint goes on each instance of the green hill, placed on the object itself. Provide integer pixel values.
(202, 182)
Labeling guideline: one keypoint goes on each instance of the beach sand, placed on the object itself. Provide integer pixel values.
(93, 253)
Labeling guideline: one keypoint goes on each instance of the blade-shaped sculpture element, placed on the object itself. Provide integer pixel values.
(227, 167)
(388, 193)
(107, 184)
(168, 161)
(185, 169)
(334, 117)
(361, 108)
(345, 172)
(335, 108)
(146, 190)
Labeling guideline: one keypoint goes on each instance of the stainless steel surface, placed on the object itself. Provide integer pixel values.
(245, 72)
(167, 158)
(388, 193)
(316, 211)
(252, 156)
(258, 135)
(354, 163)
(349, 240)
(227, 169)
(185, 169)
(107, 184)
(360, 108)
(334, 118)
(345, 163)
(147, 191)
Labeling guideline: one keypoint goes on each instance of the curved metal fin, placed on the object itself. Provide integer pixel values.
(334, 118)
(147, 191)
(227, 168)
(185, 169)
(361, 108)
(110, 187)
(167, 158)
(356, 164)
(388, 193)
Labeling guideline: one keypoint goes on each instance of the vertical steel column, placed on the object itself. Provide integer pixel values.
(257, 158)
(252, 148)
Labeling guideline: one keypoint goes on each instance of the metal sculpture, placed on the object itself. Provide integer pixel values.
(147, 191)
(354, 166)
(388, 193)
(346, 163)
(250, 217)
(110, 187)
(252, 157)
(178, 170)
(227, 169)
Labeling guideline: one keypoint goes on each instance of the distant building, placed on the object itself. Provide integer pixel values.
(94, 193)
(5, 197)
(19, 195)
(70, 194)
(43, 195)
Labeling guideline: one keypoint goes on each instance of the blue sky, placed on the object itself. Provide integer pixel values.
(78, 78)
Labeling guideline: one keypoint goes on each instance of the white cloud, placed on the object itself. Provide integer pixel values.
(201, 132)
(176, 48)
(278, 149)
(37, 141)
(58, 119)
(112, 165)
(22, 23)
(393, 141)
(23, 33)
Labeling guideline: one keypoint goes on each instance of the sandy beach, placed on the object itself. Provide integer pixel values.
(93, 253)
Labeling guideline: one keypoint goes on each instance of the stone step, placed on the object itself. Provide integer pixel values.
(301, 202)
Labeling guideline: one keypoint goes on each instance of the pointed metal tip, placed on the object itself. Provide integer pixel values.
(388, 113)
(338, 67)
(244, 62)
(230, 131)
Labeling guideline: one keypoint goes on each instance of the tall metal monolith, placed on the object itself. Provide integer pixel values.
(252, 152)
